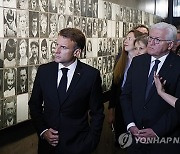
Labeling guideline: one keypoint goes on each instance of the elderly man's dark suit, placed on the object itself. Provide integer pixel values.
(153, 112)
(69, 117)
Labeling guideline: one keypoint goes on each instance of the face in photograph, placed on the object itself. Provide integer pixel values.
(34, 48)
(77, 8)
(100, 64)
(10, 25)
(83, 25)
(34, 24)
(52, 6)
(33, 5)
(89, 8)
(52, 50)
(44, 52)
(9, 82)
(83, 8)
(100, 28)
(43, 5)
(77, 22)
(22, 4)
(10, 53)
(32, 76)
(23, 48)
(69, 22)
(89, 28)
(95, 9)
(22, 75)
(61, 22)
(9, 112)
(43, 25)
(61, 6)
(23, 24)
(53, 26)
(95, 28)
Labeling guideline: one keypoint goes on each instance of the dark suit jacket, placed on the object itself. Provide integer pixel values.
(70, 117)
(153, 112)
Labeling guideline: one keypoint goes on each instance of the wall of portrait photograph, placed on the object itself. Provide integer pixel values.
(28, 32)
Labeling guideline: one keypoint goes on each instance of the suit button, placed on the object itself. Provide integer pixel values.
(145, 107)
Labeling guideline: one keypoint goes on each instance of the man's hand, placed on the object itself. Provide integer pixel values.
(148, 132)
(134, 131)
(51, 136)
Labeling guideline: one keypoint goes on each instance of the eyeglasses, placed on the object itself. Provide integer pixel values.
(156, 40)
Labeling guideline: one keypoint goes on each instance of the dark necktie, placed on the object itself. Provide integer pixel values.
(63, 84)
(151, 77)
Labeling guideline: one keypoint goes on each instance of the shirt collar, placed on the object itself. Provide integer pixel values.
(162, 59)
(70, 67)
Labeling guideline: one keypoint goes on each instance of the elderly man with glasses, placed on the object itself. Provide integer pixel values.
(147, 116)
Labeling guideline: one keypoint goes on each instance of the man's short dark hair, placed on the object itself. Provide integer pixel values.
(75, 35)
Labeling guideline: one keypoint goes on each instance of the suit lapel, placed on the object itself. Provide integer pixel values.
(77, 74)
(168, 64)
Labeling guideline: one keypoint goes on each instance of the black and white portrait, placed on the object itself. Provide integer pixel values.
(89, 8)
(100, 27)
(52, 25)
(43, 25)
(109, 10)
(95, 28)
(33, 51)
(94, 63)
(99, 63)
(109, 46)
(77, 7)
(89, 51)
(22, 52)
(10, 52)
(77, 22)
(84, 25)
(83, 8)
(33, 24)
(22, 4)
(53, 6)
(32, 75)
(89, 28)
(69, 7)
(9, 108)
(9, 3)
(34, 5)
(100, 47)
(104, 53)
(10, 23)
(43, 55)
(61, 22)
(9, 82)
(43, 5)
(22, 22)
(89, 61)
(61, 6)
(52, 49)
(95, 8)
(22, 80)
(69, 22)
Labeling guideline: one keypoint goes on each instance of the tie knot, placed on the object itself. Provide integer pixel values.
(157, 62)
(64, 70)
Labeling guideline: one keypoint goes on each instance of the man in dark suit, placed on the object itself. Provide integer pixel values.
(22, 84)
(146, 115)
(62, 121)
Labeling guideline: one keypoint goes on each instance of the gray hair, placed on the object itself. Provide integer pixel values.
(171, 30)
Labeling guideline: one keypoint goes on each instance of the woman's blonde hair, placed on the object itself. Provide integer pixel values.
(121, 63)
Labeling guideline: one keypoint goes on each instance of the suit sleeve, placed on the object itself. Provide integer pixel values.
(36, 105)
(96, 110)
(126, 98)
